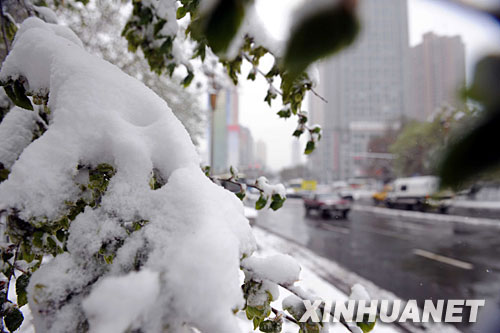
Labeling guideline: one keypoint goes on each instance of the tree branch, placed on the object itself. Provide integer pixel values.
(4, 34)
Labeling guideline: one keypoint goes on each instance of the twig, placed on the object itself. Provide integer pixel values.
(319, 96)
(300, 294)
(270, 81)
(13, 269)
(277, 312)
(4, 34)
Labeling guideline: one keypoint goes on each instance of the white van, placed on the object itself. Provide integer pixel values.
(419, 193)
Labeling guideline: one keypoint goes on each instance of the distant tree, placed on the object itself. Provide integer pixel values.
(421, 144)
(381, 168)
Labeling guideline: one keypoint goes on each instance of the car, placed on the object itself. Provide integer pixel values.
(327, 204)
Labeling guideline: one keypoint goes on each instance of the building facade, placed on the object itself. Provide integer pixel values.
(366, 86)
(437, 74)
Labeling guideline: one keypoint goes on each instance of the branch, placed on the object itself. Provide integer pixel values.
(13, 269)
(319, 96)
(230, 180)
(277, 313)
(270, 81)
(297, 291)
(2, 18)
(305, 296)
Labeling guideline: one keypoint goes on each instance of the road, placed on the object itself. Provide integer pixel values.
(413, 258)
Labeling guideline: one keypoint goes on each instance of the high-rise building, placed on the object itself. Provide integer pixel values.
(225, 131)
(437, 73)
(366, 87)
(296, 152)
(260, 154)
(246, 155)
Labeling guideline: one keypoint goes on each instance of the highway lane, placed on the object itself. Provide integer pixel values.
(415, 259)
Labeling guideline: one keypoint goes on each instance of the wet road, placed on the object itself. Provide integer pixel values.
(412, 258)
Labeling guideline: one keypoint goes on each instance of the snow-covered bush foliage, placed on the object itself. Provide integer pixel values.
(98, 24)
(81, 192)
(98, 173)
(106, 180)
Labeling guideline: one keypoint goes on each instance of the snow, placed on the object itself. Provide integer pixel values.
(281, 269)
(46, 14)
(15, 134)
(440, 218)
(252, 26)
(359, 293)
(269, 189)
(316, 274)
(123, 298)
(195, 232)
(165, 9)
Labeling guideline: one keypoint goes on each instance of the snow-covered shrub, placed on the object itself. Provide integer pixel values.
(97, 172)
(81, 191)
(111, 187)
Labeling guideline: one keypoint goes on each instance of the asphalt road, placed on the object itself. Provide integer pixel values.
(414, 259)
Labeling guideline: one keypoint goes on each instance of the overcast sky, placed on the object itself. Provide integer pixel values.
(481, 35)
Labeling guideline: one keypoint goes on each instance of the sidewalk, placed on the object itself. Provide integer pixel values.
(330, 281)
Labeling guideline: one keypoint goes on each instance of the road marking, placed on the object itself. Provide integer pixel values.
(443, 259)
(388, 234)
(334, 228)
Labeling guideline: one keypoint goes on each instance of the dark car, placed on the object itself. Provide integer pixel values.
(327, 204)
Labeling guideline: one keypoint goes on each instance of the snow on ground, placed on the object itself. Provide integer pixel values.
(316, 270)
(309, 281)
(492, 205)
(444, 218)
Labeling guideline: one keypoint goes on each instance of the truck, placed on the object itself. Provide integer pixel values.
(418, 193)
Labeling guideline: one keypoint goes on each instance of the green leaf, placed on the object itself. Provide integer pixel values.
(310, 147)
(158, 26)
(298, 132)
(316, 129)
(366, 326)
(188, 79)
(256, 322)
(241, 195)
(261, 203)
(251, 75)
(324, 32)
(473, 153)
(222, 23)
(270, 96)
(271, 326)
(4, 174)
(10, 92)
(13, 319)
(181, 12)
(286, 113)
(277, 201)
(21, 285)
(22, 100)
(486, 82)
